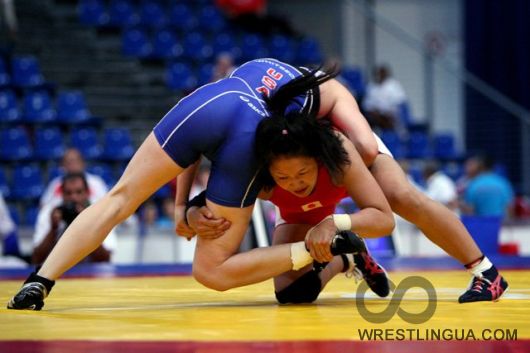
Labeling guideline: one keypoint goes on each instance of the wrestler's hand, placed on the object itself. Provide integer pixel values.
(318, 240)
(203, 222)
(182, 228)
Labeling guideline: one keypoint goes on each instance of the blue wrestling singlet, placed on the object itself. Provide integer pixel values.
(219, 121)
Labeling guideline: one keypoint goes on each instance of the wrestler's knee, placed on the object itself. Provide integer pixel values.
(305, 289)
(210, 277)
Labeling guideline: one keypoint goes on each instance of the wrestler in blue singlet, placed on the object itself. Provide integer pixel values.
(219, 121)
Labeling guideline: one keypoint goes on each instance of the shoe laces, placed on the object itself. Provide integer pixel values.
(353, 270)
(479, 283)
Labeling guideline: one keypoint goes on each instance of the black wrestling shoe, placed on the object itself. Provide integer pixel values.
(32, 294)
(373, 273)
(488, 287)
(347, 243)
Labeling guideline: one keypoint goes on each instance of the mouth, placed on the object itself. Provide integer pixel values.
(301, 191)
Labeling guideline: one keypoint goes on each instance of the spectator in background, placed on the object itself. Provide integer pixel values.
(486, 193)
(382, 100)
(73, 162)
(439, 186)
(224, 65)
(55, 217)
(252, 16)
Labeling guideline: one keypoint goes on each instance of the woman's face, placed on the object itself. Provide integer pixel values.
(298, 175)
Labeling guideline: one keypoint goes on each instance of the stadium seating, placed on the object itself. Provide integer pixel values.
(117, 144)
(86, 141)
(27, 183)
(354, 80)
(15, 144)
(179, 76)
(152, 14)
(5, 77)
(444, 146)
(4, 185)
(26, 72)
(391, 139)
(93, 12)
(104, 171)
(182, 18)
(38, 107)
(252, 47)
(136, 43)
(49, 144)
(166, 45)
(283, 48)
(418, 145)
(211, 19)
(9, 112)
(122, 13)
(72, 108)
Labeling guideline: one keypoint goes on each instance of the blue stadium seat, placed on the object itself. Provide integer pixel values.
(15, 144)
(196, 48)
(38, 107)
(444, 146)
(224, 42)
(14, 213)
(4, 185)
(26, 72)
(104, 171)
(122, 13)
(72, 108)
(117, 144)
(27, 183)
(152, 14)
(53, 172)
(211, 19)
(49, 144)
(136, 43)
(5, 78)
(93, 12)
(182, 17)
(204, 74)
(252, 47)
(86, 141)
(283, 48)
(166, 45)
(30, 215)
(418, 145)
(9, 112)
(354, 79)
(179, 76)
(308, 52)
(391, 139)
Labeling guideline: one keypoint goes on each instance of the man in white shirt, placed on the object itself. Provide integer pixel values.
(439, 186)
(56, 216)
(382, 100)
(73, 162)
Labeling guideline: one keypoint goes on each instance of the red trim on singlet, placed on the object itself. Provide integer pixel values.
(313, 208)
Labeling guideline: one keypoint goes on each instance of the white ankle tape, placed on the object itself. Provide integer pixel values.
(482, 266)
(342, 221)
(300, 257)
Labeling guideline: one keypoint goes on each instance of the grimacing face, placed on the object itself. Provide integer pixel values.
(297, 174)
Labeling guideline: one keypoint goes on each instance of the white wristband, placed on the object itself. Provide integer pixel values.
(342, 221)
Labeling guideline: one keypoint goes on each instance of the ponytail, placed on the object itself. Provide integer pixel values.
(278, 102)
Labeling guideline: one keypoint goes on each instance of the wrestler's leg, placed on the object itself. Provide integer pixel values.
(148, 170)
